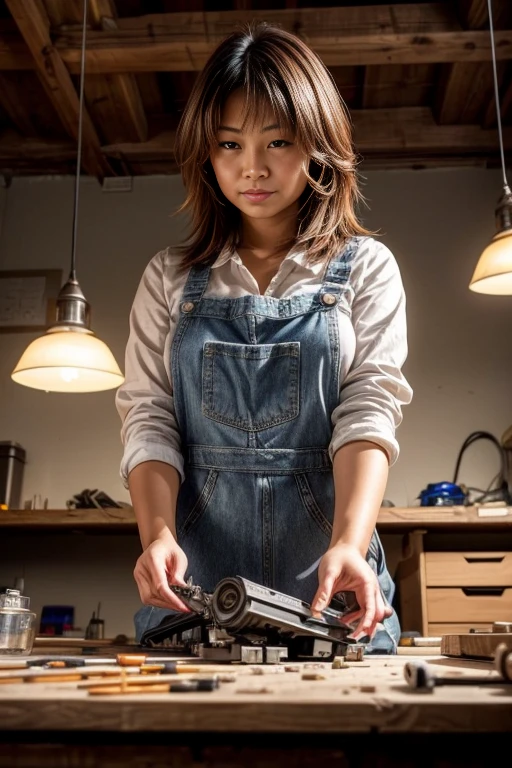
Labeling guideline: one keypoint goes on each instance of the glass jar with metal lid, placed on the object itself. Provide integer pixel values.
(17, 623)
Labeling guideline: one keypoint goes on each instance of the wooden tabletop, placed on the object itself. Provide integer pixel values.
(391, 519)
(367, 696)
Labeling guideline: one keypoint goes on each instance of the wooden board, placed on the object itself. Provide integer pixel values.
(367, 697)
(475, 645)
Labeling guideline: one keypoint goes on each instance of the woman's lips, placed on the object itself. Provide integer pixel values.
(257, 197)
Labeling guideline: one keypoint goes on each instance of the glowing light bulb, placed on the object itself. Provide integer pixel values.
(69, 374)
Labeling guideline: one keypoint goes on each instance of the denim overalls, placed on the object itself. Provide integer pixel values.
(255, 382)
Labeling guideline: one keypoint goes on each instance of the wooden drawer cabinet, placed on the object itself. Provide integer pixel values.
(453, 592)
(457, 605)
(435, 630)
(468, 569)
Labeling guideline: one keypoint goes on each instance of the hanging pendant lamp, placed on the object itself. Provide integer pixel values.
(493, 273)
(69, 357)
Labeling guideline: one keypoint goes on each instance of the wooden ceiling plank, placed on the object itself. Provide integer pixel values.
(347, 36)
(62, 12)
(115, 100)
(14, 106)
(34, 26)
(472, 13)
(504, 77)
(109, 53)
(465, 90)
(404, 85)
(355, 35)
(14, 147)
(14, 53)
(452, 92)
(405, 129)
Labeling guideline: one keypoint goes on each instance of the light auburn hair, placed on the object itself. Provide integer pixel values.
(272, 68)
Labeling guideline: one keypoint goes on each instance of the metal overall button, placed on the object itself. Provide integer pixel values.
(329, 299)
(187, 306)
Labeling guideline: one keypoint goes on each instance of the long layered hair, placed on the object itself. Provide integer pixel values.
(275, 68)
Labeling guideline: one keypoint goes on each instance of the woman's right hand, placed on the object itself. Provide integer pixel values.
(162, 563)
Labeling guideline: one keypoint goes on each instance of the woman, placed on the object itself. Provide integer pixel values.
(263, 368)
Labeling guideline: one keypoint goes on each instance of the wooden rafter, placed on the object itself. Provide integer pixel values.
(115, 99)
(406, 130)
(33, 23)
(417, 77)
(356, 35)
(464, 88)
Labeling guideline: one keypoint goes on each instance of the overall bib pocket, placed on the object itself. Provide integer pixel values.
(251, 386)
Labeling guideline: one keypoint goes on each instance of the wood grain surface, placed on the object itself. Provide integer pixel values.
(369, 696)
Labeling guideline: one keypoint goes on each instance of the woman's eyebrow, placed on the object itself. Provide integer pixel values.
(273, 127)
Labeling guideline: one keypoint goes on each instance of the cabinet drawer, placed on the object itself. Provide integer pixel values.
(468, 569)
(438, 630)
(468, 606)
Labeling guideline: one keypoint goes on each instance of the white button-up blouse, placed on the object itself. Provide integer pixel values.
(372, 325)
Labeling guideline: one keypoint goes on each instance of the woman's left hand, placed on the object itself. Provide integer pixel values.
(344, 569)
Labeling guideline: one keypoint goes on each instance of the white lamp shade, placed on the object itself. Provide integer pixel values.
(68, 361)
(493, 273)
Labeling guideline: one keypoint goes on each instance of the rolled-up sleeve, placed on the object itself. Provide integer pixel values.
(145, 400)
(374, 390)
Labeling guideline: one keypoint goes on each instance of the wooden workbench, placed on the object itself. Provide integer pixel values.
(361, 711)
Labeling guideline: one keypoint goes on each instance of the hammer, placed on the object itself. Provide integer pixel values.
(421, 677)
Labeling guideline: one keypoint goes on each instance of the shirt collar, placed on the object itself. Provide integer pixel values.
(296, 255)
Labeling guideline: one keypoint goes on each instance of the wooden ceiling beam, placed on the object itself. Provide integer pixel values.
(402, 137)
(465, 92)
(402, 130)
(34, 25)
(14, 107)
(346, 36)
(14, 148)
(115, 100)
(14, 53)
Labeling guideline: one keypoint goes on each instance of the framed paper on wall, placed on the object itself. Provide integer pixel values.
(28, 299)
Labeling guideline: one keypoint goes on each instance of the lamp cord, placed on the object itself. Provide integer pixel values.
(497, 94)
(479, 435)
(72, 273)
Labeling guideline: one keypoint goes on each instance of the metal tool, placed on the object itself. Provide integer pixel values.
(247, 622)
(421, 677)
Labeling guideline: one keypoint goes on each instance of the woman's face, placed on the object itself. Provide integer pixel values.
(260, 170)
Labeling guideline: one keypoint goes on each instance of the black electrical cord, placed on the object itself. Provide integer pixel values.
(501, 492)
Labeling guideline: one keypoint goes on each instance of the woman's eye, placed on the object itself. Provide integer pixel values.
(276, 144)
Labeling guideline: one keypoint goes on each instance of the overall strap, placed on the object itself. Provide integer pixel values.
(337, 273)
(197, 281)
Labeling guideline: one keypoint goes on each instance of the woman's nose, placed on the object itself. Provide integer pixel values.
(254, 166)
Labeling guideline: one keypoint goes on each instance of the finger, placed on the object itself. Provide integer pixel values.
(352, 617)
(324, 592)
(175, 606)
(148, 596)
(161, 591)
(367, 602)
(165, 595)
(180, 564)
(381, 608)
